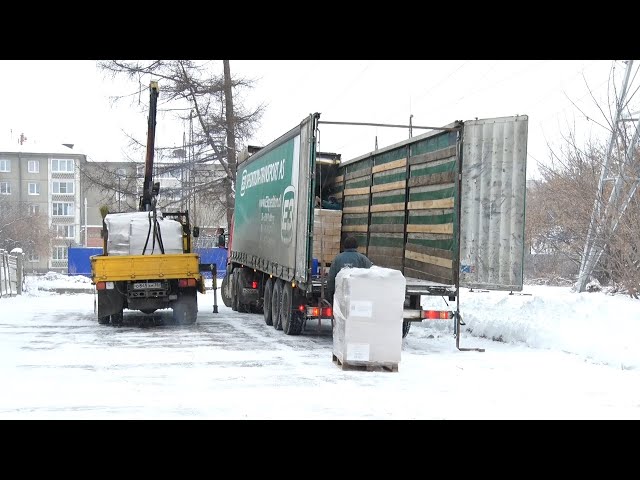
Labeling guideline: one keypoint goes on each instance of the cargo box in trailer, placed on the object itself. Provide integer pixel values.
(446, 208)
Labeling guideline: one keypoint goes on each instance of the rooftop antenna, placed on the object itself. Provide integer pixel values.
(410, 119)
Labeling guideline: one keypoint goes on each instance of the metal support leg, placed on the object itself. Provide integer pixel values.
(214, 275)
(457, 330)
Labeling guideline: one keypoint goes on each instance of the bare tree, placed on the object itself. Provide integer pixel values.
(623, 253)
(560, 205)
(22, 229)
(195, 93)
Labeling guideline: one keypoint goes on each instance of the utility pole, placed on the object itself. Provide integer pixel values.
(190, 160)
(592, 251)
(231, 135)
(184, 159)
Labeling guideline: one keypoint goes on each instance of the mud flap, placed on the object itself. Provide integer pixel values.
(109, 302)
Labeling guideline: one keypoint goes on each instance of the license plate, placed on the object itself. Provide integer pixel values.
(146, 285)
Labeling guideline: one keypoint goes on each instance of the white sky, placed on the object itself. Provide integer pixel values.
(564, 355)
(60, 101)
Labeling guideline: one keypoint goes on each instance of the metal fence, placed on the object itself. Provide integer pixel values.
(11, 273)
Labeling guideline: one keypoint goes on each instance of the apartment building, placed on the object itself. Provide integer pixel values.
(48, 180)
(71, 190)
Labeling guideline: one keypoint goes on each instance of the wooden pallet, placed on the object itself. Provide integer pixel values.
(369, 367)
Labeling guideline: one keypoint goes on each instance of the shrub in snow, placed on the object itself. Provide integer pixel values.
(594, 286)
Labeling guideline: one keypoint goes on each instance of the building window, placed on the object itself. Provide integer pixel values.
(34, 209)
(66, 231)
(33, 257)
(64, 166)
(5, 188)
(64, 209)
(34, 188)
(5, 165)
(63, 187)
(59, 253)
(33, 166)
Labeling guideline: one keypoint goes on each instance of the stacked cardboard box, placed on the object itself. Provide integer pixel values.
(368, 313)
(326, 234)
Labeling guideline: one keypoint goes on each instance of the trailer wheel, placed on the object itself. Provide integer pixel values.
(406, 326)
(276, 300)
(268, 292)
(104, 320)
(291, 320)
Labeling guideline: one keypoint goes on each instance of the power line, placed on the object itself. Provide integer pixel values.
(430, 90)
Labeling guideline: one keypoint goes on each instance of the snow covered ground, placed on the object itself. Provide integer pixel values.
(549, 354)
(602, 328)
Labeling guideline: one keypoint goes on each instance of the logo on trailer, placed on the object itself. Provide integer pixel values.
(288, 214)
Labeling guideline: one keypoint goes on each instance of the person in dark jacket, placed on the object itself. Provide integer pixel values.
(349, 258)
(221, 239)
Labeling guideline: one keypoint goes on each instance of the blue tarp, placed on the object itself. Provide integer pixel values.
(214, 255)
(80, 262)
(79, 259)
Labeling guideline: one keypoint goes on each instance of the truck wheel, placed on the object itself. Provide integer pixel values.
(257, 308)
(268, 292)
(241, 282)
(291, 320)
(276, 299)
(185, 308)
(406, 326)
(117, 318)
(225, 291)
(235, 296)
(104, 320)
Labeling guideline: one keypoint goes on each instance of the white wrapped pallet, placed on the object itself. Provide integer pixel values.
(367, 308)
(118, 230)
(127, 234)
(170, 232)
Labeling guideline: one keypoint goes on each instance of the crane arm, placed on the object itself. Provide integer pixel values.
(149, 190)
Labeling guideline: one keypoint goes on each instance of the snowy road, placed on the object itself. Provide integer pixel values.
(58, 363)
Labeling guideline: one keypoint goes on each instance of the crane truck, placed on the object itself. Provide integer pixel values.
(446, 208)
(147, 262)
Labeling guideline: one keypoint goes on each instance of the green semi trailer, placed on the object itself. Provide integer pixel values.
(446, 208)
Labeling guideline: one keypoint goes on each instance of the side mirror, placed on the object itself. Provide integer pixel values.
(196, 232)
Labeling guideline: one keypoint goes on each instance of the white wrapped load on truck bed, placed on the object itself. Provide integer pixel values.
(368, 310)
(128, 232)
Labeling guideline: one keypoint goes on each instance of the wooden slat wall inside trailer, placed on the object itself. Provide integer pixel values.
(400, 204)
(388, 201)
(355, 201)
(432, 219)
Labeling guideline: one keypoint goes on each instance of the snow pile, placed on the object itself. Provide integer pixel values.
(600, 327)
(51, 281)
